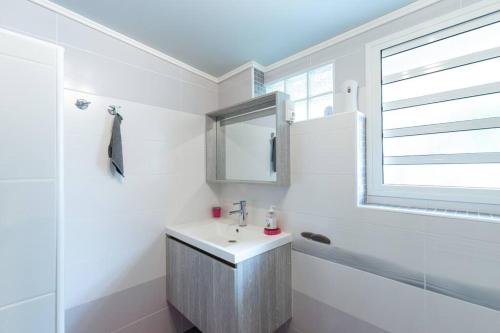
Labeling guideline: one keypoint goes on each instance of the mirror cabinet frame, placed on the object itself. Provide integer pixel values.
(214, 156)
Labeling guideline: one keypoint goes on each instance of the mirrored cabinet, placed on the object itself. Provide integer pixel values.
(249, 142)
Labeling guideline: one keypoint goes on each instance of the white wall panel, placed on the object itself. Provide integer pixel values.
(28, 178)
(114, 229)
(27, 240)
(36, 315)
(28, 116)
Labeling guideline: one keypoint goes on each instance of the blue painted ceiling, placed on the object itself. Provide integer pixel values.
(217, 36)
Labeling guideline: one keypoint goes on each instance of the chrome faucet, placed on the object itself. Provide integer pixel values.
(242, 211)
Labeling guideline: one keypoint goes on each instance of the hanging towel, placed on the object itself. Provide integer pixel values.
(115, 146)
(273, 152)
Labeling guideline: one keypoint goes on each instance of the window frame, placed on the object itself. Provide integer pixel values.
(457, 199)
(308, 97)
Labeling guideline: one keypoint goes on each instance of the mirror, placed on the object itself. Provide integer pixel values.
(250, 146)
(249, 142)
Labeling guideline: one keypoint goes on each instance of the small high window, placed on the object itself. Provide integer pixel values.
(312, 92)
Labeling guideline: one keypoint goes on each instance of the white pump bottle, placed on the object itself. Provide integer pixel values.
(350, 90)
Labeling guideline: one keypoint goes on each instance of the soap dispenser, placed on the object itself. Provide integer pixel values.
(271, 223)
(350, 89)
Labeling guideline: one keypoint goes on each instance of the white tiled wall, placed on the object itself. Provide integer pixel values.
(20, 78)
(28, 239)
(322, 199)
(114, 229)
(25, 17)
(446, 314)
(235, 89)
(99, 64)
(394, 307)
(35, 315)
(28, 111)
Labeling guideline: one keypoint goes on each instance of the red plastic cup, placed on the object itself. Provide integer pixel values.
(216, 212)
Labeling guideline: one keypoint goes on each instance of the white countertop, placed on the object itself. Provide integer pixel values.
(226, 240)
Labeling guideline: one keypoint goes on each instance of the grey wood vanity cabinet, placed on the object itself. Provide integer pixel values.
(253, 296)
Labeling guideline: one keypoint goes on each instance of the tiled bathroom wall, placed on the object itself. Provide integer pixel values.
(236, 88)
(114, 250)
(114, 228)
(114, 245)
(386, 270)
(29, 182)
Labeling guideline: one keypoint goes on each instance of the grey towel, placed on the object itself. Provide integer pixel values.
(115, 146)
(273, 152)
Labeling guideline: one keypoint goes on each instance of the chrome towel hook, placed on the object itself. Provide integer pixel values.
(113, 109)
(82, 104)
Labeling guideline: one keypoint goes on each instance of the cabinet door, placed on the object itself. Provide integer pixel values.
(264, 291)
(201, 288)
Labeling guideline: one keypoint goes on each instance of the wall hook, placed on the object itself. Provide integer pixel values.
(82, 104)
(113, 109)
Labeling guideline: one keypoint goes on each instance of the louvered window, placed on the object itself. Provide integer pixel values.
(438, 101)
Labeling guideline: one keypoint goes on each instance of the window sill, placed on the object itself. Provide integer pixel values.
(450, 214)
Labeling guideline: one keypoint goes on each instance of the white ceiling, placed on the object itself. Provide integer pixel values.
(217, 36)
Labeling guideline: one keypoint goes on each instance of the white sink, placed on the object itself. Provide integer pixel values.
(226, 240)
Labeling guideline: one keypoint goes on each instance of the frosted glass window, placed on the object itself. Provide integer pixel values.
(277, 86)
(456, 78)
(311, 92)
(301, 110)
(477, 107)
(296, 87)
(477, 40)
(321, 80)
(477, 141)
(449, 175)
(321, 106)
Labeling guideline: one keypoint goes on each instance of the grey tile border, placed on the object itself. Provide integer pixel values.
(471, 293)
(362, 262)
